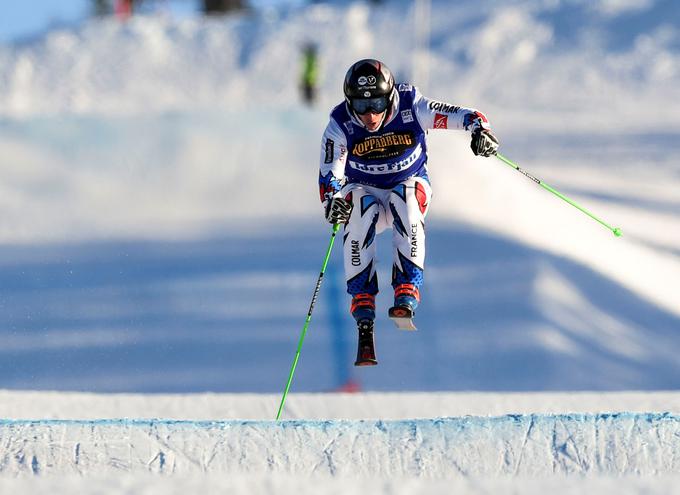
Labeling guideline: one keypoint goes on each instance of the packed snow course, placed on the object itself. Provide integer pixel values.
(523, 445)
(535, 451)
(162, 233)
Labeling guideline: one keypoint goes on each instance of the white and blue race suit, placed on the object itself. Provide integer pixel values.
(384, 175)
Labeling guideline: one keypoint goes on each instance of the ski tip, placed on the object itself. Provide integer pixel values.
(401, 325)
(404, 324)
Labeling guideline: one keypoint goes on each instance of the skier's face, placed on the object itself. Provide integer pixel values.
(372, 120)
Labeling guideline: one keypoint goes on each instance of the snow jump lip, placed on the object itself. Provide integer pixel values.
(448, 421)
(534, 445)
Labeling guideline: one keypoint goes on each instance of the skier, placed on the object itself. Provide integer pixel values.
(373, 175)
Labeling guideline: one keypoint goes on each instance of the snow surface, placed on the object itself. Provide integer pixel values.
(531, 445)
(31, 405)
(151, 484)
(161, 233)
(633, 452)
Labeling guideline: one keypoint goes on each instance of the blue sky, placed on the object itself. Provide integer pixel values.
(19, 19)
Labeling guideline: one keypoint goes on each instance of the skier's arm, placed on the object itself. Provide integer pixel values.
(332, 163)
(432, 114)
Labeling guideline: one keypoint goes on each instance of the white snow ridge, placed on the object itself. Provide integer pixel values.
(529, 445)
(628, 452)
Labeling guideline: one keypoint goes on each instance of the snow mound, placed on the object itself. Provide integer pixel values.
(517, 445)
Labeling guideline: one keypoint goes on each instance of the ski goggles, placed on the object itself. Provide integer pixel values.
(374, 105)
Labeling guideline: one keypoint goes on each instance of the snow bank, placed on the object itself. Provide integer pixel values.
(524, 445)
(537, 58)
(535, 453)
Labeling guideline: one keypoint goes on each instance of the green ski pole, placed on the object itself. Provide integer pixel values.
(336, 227)
(617, 231)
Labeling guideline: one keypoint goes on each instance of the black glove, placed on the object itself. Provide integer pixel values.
(338, 210)
(483, 142)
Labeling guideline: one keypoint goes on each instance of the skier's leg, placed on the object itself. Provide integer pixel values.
(409, 202)
(359, 250)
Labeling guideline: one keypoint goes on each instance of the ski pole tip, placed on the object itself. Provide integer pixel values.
(617, 232)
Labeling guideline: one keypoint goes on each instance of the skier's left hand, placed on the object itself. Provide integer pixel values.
(483, 142)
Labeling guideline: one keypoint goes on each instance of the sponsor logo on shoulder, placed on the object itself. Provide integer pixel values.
(438, 106)
(406, 116)
(329, 151)
(441, 121)
(404, 87)
(348, 126)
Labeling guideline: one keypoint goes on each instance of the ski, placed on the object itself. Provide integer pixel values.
(366, 348)
(402, 316)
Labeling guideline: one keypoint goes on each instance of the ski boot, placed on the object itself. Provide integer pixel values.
(406, 298)
(363, 307)
(366, 349)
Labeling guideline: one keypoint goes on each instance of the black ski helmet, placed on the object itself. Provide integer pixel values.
(369, 79)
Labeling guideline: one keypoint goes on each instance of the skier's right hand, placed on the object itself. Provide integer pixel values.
(338, 210)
